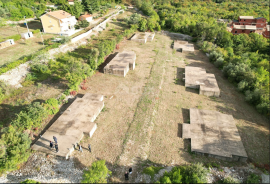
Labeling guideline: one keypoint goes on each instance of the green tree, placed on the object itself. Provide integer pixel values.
(97, 173)
(143, 25)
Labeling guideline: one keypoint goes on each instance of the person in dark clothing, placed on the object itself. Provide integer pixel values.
(55, 139)
(126, 176)
(89, 147)
(56, 147)
(51, 145)
(130, 170)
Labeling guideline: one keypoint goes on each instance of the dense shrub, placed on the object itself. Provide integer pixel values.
(14, 138)
(151, 171)
(52, 106)
(194, 173)
(253, 178)
(97, 173)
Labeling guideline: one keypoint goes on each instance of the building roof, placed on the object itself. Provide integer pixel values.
(59, 14)
(244, 27)
(260, 18)
(86, 16)
(250, 27)
(70, 0)
(246, 17)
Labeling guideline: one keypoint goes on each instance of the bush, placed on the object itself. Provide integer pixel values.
(151, 171)
(36, 31)
(97, 173)
(230, 179)
(194, 173)
(15, 37)
(52, 106)
(64, 39)
(253, 178)
(29, 181)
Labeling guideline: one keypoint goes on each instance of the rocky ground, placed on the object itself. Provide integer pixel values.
(52, 169)
(45, 170)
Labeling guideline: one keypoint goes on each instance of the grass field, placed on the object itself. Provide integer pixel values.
(144, 111)
(22, 48)
(18, 29)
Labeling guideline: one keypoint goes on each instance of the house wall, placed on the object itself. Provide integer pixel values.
(239, 31)
(266, 34)
(89, 19)
(261, 23)
(50, 24)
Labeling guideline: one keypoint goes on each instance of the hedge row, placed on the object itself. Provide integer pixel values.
(14, 64)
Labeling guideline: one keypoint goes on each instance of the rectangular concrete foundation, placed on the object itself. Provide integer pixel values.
(143, 37)
(71, 126)
(121, 64)
(183, 46)
(214, 134)
(197, 78)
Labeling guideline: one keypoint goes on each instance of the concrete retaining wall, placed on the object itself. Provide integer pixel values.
(77, 38)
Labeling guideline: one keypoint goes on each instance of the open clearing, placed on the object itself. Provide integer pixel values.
(22, 48)
(141, 122)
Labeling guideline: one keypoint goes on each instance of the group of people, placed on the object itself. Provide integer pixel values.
(55, 145)
(89, 148)
(128, 173)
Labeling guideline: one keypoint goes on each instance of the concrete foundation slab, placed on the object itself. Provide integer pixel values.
(214, 133)
(183, 46)
(196, 77)
(71, 126)
(121, 64)
(143, 37)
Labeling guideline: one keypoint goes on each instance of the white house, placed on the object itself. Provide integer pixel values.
(58, 22)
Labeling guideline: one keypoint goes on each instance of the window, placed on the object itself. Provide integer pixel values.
(240, 19)
(51, 28)
(244, 19)
(235, 32)
(243, 31)
(50, 21)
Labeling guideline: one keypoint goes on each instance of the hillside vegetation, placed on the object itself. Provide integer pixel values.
(244, 59)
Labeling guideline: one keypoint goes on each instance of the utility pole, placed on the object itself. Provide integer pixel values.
(17, 28)
(41, 38)
(26, 24)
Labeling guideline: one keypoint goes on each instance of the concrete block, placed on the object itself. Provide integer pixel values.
(197, 78)
(71, 126)
(121, 64)
(143, 37)
(214, 133)
(183, 46)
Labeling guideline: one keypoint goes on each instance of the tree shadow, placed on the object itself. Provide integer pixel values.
(186, 115)
(180, 129)
(192, 90)
(34, 24)
(108, 59)
(180, 76)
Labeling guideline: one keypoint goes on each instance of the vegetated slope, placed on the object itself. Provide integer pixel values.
(243, 58)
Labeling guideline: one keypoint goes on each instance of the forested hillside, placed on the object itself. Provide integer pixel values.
(244, 59)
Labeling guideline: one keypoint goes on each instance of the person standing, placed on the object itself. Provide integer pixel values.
(56, 147)
(51, 145)
(130, 170)
(126, 176)
(55, 139)
(80, 148)
(89, 147)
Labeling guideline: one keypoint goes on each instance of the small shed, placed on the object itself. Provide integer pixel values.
(7, 43)
(26, 35)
